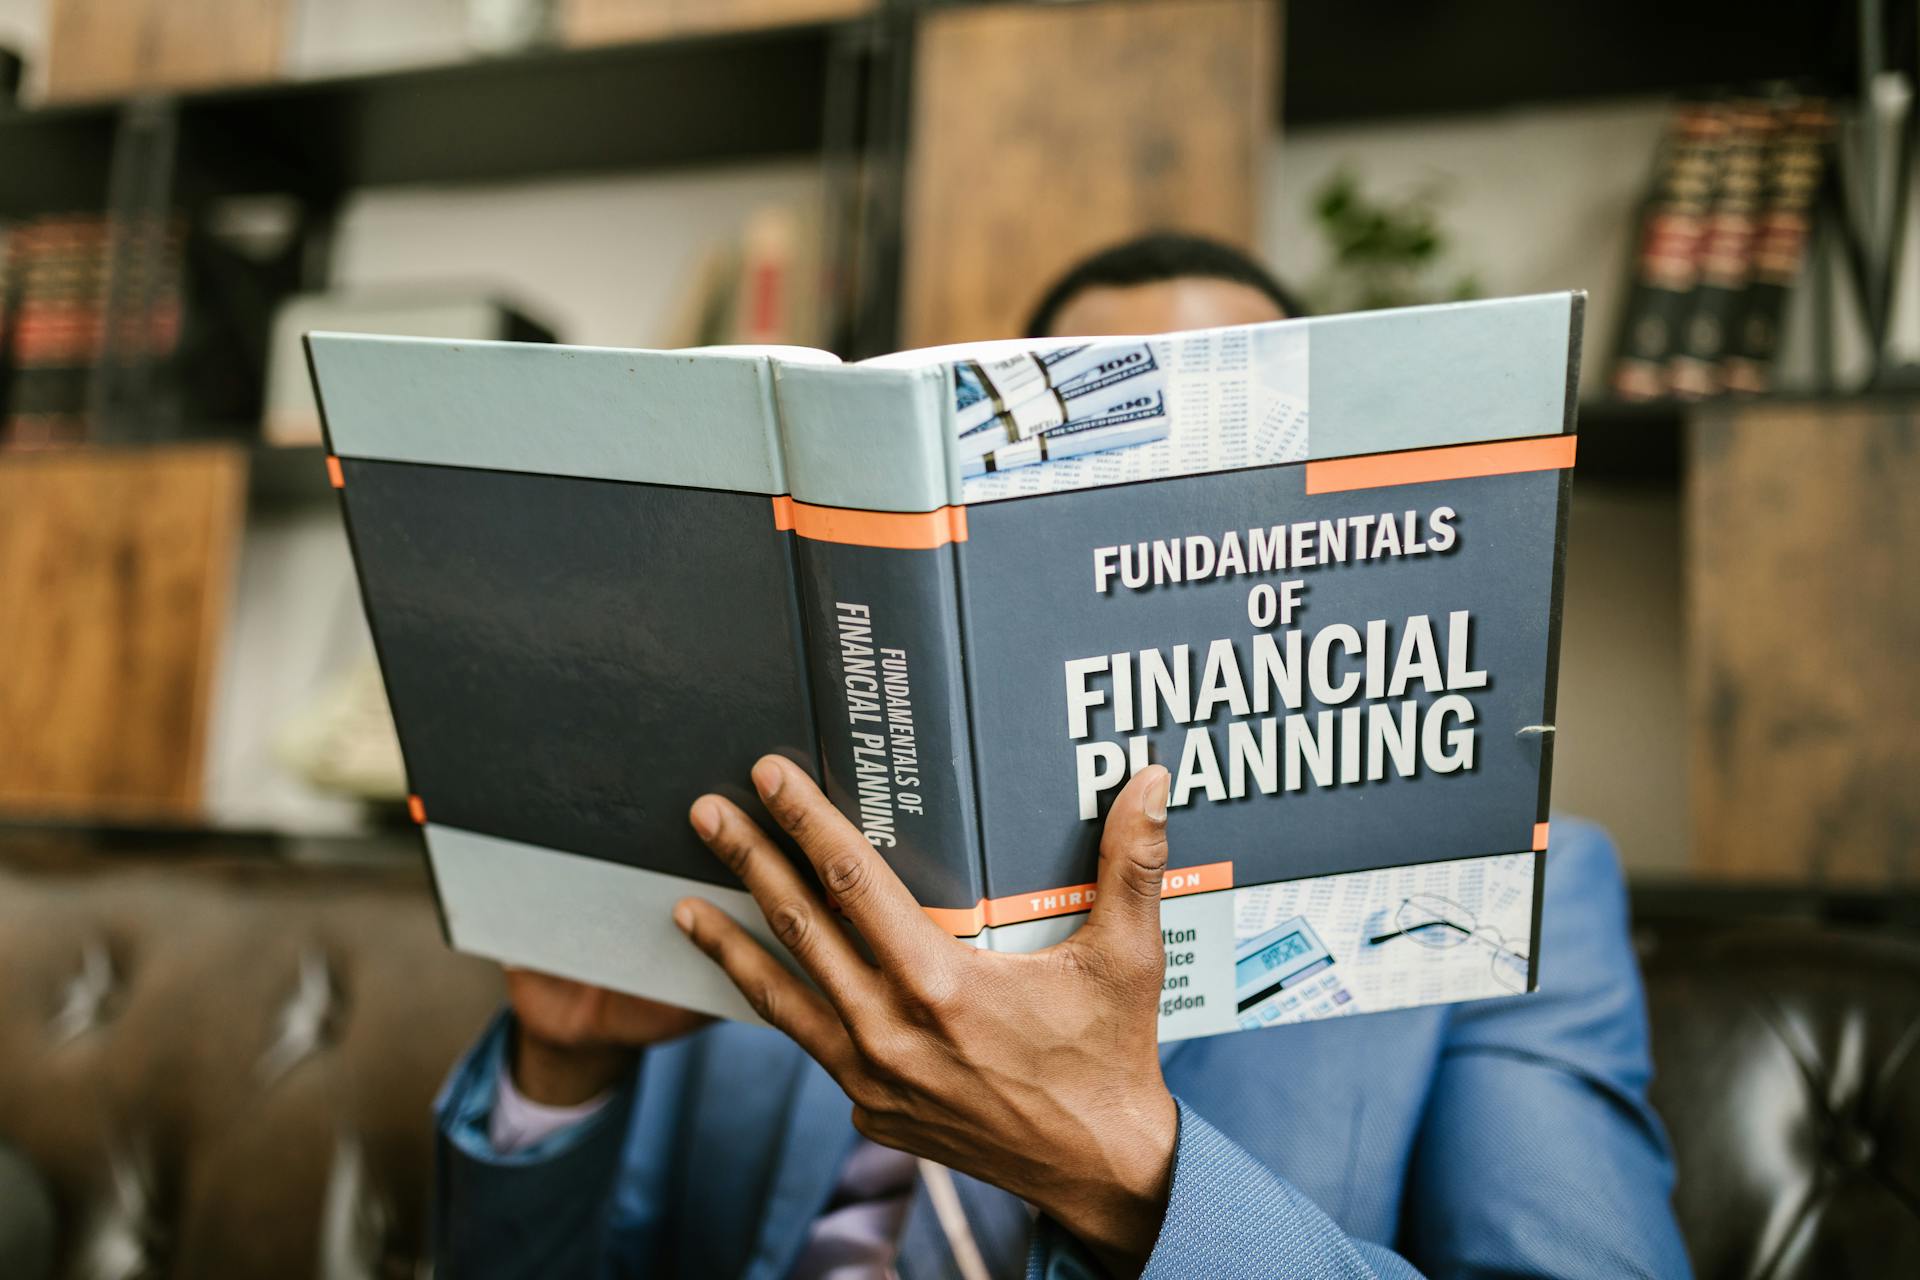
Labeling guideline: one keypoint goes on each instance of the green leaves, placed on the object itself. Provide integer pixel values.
(1384, 252)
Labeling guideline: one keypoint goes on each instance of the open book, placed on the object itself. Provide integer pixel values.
(1313, 567)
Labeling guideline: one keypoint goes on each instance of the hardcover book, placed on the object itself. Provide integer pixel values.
(1312, 567)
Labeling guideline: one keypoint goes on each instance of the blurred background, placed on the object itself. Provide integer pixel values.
(222, 992)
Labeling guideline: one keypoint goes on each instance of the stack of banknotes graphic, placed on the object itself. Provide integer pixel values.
(1016, 410)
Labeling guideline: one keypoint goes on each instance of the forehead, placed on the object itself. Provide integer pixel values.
(1189, 302)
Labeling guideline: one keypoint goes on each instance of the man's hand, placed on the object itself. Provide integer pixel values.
(573, 1042)
(1038, 1073)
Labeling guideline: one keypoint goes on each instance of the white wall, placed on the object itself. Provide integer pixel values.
(606, 261)
(1535, 200)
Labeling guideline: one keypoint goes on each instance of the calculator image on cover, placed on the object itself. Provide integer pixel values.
(1286, 975)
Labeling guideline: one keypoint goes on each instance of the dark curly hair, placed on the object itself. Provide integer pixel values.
(1149, 259)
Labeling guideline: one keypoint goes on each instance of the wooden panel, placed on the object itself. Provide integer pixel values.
(99, 48)
(93, 46)
(584, 22)
(1041, 134)
(1803, 581)
(115, 568)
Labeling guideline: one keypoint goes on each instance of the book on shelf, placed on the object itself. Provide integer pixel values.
(1800, 147)
(59, 270)
(1667, 256)
(1322, 588)
(1723, 239)
(764, 283)
(123, 329)
(1723, 251)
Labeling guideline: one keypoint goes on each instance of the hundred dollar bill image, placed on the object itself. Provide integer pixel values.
(1231, 399)
(1092, 380)
(1140, 419)
(973, 404)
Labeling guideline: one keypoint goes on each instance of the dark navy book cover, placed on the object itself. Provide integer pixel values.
(1310, 567)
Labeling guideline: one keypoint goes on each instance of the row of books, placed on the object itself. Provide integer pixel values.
(115, 328)
(55, 275)
(1721, 243)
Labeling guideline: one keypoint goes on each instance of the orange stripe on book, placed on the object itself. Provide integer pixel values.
(417, 810)
(335, 475)
(1018, 908)
(1539, 837)
(783, 513)
(1455, 462)
(961, 922)
(902, 530)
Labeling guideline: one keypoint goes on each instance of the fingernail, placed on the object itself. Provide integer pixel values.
(767, 777)
(705, 817)
(683, 917)
(1155, 803)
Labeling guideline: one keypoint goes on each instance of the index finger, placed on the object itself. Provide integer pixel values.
(859, 879)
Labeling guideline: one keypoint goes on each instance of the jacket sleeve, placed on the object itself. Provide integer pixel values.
(1228, 1215)
(545, 1211)
(1538, 1154)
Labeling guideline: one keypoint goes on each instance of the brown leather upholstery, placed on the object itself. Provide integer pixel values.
(1788, 1072)
(140, 1010)
(177, 1138)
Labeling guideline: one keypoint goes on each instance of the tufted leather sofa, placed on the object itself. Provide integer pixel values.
(224, 1068)
(1787, 1059)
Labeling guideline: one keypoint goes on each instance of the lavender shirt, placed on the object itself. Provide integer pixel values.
(853, 1239)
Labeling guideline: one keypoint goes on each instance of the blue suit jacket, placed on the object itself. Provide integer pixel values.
(1505, 1138)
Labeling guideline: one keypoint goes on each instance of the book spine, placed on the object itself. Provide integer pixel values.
(877, 531)
(1795, 167)
(1667, 258)
(1725, 256)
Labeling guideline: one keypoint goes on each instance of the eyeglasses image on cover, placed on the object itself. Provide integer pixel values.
(1286, 975)
(1440, 924)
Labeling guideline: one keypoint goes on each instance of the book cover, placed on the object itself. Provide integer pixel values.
(1319, 581)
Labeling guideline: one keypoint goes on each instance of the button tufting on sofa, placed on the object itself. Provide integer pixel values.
(226, 1068)
(1787, 1069)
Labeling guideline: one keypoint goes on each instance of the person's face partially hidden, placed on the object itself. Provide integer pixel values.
(1165, 306)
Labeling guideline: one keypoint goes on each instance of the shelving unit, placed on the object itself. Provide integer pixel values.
(838, 91)
(722, 98)
(841, 94)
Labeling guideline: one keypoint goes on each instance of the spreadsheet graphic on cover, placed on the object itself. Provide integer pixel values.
(1312, 567)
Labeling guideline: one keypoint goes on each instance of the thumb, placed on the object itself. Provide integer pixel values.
(1133, 860)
